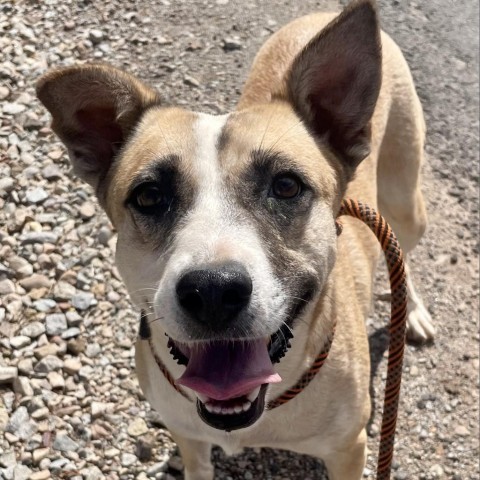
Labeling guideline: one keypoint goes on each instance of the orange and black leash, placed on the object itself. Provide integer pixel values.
(396, 269)
(397, 328)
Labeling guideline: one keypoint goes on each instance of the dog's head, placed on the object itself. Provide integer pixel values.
(225, 224)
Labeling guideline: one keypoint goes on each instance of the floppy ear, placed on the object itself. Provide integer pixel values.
(94, 109)
(334, 82)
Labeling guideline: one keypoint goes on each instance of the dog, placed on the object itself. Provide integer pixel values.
(227, 236)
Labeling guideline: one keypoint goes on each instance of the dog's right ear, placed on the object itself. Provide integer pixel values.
(94, 109)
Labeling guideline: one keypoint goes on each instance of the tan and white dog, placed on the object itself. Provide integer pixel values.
(227, 238)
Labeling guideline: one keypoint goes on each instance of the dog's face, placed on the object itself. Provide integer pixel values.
(239, 206)
(225, 224)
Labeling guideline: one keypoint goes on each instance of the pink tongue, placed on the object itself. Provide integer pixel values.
(225, 370)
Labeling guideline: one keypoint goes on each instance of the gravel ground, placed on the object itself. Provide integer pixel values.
(70, 406)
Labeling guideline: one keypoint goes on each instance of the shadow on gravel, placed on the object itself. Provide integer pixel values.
(267, 464)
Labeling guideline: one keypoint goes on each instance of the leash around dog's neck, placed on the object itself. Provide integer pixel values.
(396, 269)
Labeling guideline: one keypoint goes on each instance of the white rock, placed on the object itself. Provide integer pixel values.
(21, 386)
(33, 330)
(56, 380)
(56, 324)
(8, 459)
(51, 172)
(64, 443)
(20, 341)
(20, 424)
(436, 471)
(6, 287)
(40, 475)
(73, 319)
(8, 374)
(87, 210)
(36, 195)
(13, 108)
(7, 184)
(72, 365)
(25, 366)
(92, 473)
(4, 92)
(21, 472)
(35, 281)
(64, 291)
(96, 36)
(83, 300)
(40, 414)
(39, 454)
(137, 427)
(48, 364)
(128, 459)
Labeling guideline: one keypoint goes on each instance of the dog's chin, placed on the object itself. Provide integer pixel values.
(233, 414)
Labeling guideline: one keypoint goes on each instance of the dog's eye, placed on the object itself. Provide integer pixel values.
(147, 196)
(286, 186)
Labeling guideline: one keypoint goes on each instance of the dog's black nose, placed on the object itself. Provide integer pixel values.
(215, 296)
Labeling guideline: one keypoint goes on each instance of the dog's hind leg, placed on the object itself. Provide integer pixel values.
(400, 158)
(196, 458)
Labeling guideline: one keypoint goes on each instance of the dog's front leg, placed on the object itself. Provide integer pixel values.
(348, 464)
(196, 458)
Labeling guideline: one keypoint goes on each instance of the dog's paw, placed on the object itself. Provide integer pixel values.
(420, 327)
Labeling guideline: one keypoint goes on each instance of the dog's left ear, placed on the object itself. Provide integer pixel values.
(334, 82)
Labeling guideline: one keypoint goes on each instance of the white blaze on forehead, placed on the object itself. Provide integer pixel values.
(207, 131)
(207, 221)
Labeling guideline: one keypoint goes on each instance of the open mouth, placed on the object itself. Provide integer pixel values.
(230, 378)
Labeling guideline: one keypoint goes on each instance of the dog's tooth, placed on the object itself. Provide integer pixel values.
(202, 398)
(209, 407)
(253, 394)
(246, 406)
(217, 409)
(238, 408)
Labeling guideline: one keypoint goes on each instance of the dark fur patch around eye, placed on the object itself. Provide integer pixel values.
(254, 192)
(176, 197)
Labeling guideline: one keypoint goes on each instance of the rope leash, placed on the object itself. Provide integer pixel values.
(397, 329)
(306, 378)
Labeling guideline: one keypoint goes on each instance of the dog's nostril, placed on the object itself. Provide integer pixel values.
(191, 301)
(234, 298)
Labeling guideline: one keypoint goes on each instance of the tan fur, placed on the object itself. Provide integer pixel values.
(328, 419)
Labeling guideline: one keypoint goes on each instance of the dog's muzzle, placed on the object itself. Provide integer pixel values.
(229, 376)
